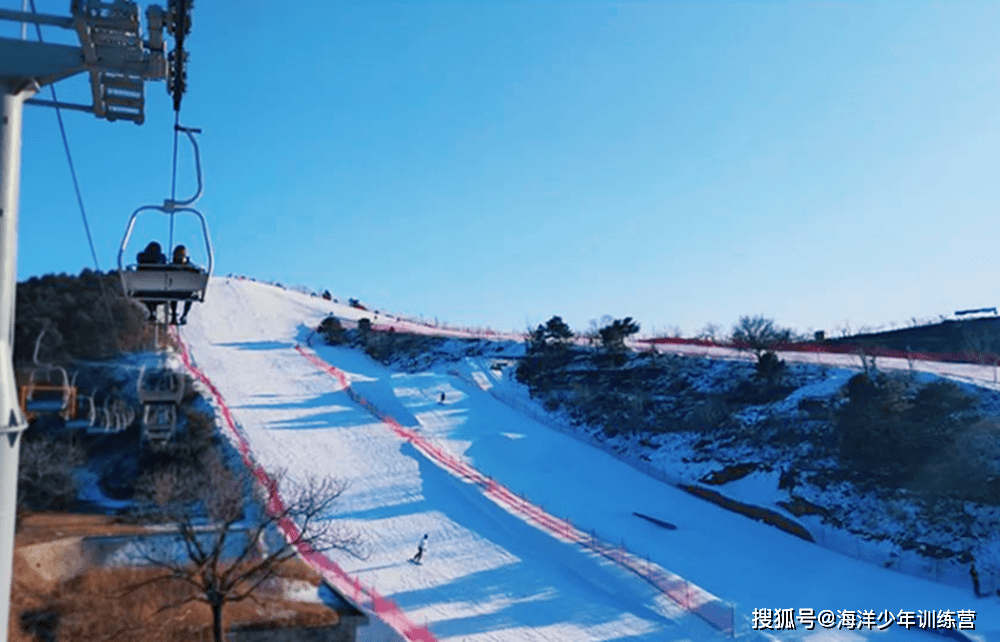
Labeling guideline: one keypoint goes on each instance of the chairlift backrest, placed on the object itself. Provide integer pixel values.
(85, 418)
(158, 422)
(159, 415)
(160, 386)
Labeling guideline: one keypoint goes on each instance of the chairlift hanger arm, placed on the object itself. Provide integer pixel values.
(190, 132)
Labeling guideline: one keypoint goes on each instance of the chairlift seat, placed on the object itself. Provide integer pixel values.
(160, 387)
(158, 419)
(40, 399)
(162, 283)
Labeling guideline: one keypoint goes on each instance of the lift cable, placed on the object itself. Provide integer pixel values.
(176, 84)
(79, 198)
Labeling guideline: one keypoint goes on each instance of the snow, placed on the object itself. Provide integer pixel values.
(489, 575)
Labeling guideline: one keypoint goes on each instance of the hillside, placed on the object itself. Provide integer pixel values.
(486, 577)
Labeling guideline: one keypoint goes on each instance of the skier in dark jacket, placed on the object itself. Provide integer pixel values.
(420, 549)
(151, 256)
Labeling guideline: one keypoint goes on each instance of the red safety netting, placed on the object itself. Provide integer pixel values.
(352, 588)
(691, 597)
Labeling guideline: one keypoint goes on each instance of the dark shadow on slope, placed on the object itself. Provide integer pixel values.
(598, 586)
(337, 398)
(257, 345)
(347, 414)
(388, 511)
(380, 394)
(344, 419)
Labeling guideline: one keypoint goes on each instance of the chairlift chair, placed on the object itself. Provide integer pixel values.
(159, 421)
(163, 283)
(54, 395)
(115, 416)
(160, 386)
(86, 419)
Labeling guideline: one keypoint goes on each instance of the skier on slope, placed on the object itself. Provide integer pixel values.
(420, 550)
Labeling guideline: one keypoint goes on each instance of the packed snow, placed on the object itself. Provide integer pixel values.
(488, 574)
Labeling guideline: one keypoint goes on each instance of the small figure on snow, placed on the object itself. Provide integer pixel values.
(441, 400)
(420, 550)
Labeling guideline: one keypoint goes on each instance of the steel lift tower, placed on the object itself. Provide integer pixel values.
(119, 60)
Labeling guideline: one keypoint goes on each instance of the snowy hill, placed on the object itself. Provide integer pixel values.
(493, 570)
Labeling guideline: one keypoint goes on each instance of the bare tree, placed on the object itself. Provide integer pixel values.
(240, 548)
(711, 332)
(759, 334)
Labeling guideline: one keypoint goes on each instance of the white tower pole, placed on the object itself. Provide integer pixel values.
(12, 421)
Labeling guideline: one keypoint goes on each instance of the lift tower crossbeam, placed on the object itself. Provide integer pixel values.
(119, 62)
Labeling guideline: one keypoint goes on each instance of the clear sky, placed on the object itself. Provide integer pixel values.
(493, 163)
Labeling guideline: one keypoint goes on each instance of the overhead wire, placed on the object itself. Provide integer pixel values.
(79, 197)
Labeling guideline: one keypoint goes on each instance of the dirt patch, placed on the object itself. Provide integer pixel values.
(754, 512)
(799, 507)
(36, 528)
(56, 592)
(728, 474)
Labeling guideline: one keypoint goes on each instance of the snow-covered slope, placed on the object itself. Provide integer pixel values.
(488, 575)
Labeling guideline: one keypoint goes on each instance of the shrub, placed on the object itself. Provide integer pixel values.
(769, 367)
(332, 331)
(888, 430)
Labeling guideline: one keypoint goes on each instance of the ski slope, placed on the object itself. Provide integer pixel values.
(489, 574)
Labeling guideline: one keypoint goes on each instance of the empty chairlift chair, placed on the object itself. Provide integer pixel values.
(160, 392)
(114, 416)
(48, 391)
(86, 413)
(159, 421)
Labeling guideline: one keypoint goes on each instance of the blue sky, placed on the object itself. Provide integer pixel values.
(493, 164)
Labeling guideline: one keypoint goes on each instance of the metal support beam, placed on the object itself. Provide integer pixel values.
(36, 18)
(41, 102)
(44, 62)
(12, 421)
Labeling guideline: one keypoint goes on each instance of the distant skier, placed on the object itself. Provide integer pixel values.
(441, 400)
(420, 550)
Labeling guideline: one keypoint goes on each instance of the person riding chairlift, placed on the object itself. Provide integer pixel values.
(152, 255)
(182, 259)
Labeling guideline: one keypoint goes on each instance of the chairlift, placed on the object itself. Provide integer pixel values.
(159, 421)
(163, 283)
(87, 418)
(48, 390)
(115, 417)
(160, 386)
